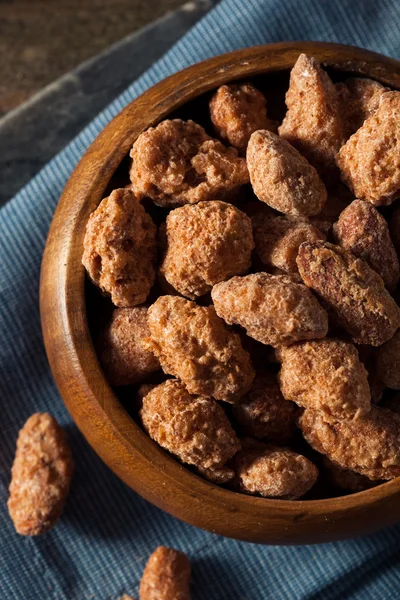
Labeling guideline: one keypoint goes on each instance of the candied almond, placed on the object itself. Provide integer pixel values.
(325, 375)
(277, 239)
(272, 308)
(351, 289)
(193, 428)
(40, 476)
(195, 345)
(370, 445)
(177, 163)
(237, 110)
(359, 99)
(273, 472)
(120, 248)
(282, 178)
(369, 162)
(123, 356)
(264, 413)
(363, 230)
(166, 576)
(313, 122)
(206, 243)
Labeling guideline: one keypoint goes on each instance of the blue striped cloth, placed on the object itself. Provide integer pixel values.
(99, 548)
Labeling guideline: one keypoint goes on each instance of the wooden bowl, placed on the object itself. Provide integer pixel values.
(100, 416)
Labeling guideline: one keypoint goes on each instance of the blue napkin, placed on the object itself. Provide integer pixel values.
(100, 546)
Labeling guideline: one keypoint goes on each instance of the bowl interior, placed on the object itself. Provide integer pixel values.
(108, 417)
(99, 308)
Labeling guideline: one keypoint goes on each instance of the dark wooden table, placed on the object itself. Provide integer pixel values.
(43, 39)
(33, 133)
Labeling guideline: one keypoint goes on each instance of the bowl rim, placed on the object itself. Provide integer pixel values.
(119, 441)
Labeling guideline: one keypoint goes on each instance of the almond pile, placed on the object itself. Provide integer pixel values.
(253, 270)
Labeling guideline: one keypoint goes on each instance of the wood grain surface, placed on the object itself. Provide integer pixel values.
(40, 40)
(118, 440)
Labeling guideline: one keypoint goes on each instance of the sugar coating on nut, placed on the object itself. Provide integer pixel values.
(351, 289)
(220, 476)
(369, 162)
(325, 375)
(195, 345)
(166, 576)
(359, 99)
(123, 356)
(345, 479)
(370, 446)
(206, 243)
(274, 472)
(282, 178)
(177, 163)
(120, 249)
(388, 362)
(313, 121)
(40, 476)
(264, 413)
(193, 428)
(237, 110)
(272, 308)
(364, 231)
(277, 239)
